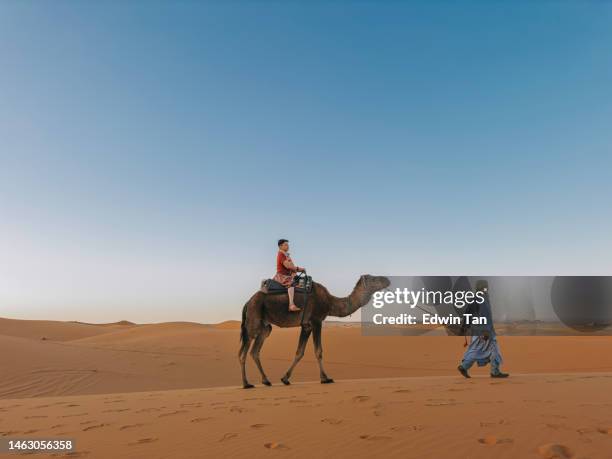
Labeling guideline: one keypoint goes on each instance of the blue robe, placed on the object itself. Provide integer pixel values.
(481, 350)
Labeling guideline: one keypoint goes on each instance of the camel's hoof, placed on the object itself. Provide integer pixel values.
(266, 383)
(285, 381)
(248, 386)
(327, 381)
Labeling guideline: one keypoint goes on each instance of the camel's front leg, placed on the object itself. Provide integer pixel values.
(318, 348)
(304, 335)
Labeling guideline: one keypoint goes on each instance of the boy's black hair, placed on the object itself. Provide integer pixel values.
(282, 241)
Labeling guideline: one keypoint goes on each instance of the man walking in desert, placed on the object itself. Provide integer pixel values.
(483, 347)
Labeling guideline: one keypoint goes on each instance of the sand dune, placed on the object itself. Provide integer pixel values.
(229, 325)
(92, 359)
(53, 330)
(172, 390)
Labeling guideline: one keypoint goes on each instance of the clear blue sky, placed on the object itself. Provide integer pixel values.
(153, 152)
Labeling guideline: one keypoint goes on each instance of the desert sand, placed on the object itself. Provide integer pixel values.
(173, 390)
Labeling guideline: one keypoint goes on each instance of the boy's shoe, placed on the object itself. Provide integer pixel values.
(463, 371)
(499, 375)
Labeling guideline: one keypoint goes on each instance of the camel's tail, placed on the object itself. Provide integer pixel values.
(244, 335)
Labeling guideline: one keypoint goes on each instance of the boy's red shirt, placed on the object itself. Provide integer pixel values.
(280, 267)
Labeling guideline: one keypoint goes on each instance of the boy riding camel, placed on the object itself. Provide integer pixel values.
(286, 271)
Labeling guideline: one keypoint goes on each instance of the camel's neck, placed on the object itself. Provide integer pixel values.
(342, 307)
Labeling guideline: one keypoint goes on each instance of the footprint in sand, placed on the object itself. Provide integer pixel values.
(258, 426)
(555, 451)
(228, 436)
(275, 445)
(130, 426)
(605, 430)
(143, 441)
(332, 421)
(402, 391)
(236, 409)
(415, 428)
(173, 413)
(374, 437)
(491, 440)
(97, 426)
(35, 417)
(201, 419)
(360, 398)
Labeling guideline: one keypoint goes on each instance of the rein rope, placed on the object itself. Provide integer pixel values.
(305, 299)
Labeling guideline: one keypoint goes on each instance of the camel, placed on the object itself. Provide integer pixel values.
(263, 309)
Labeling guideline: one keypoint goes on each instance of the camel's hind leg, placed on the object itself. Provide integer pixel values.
(304, 335)
(318, 348)
(242, 355)
(257, 345)
(249, 329)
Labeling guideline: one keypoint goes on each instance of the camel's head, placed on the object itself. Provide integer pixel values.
(374, 283)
